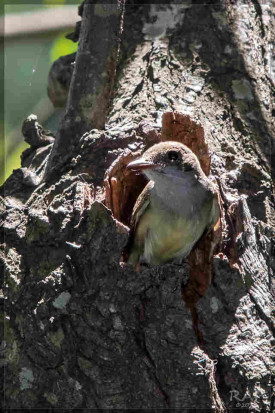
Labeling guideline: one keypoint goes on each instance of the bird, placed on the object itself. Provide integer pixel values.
(177, 206)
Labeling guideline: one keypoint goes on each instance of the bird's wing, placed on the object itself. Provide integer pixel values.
(142, 203)
(134, 247)
(216, 210)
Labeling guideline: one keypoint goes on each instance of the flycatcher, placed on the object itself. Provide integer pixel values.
(174, 209)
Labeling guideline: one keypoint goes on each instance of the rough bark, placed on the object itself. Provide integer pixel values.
(93, 78)
(81, 329)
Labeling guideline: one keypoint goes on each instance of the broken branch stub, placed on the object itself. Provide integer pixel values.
(92, 80)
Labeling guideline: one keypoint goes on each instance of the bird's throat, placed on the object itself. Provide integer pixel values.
(179, 197)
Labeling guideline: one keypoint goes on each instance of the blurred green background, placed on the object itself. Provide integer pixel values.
(28, 56)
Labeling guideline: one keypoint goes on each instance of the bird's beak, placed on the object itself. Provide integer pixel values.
(140, 165)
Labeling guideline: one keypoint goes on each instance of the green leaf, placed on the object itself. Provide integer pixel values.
(62, 46)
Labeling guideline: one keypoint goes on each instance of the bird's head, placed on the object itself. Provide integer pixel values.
(168, 161)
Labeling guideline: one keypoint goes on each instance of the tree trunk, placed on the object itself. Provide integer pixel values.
(82, 329)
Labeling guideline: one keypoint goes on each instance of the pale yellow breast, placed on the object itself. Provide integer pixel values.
(165, 236)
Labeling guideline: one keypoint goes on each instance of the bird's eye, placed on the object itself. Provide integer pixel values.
(173, 155)
(187, 167)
